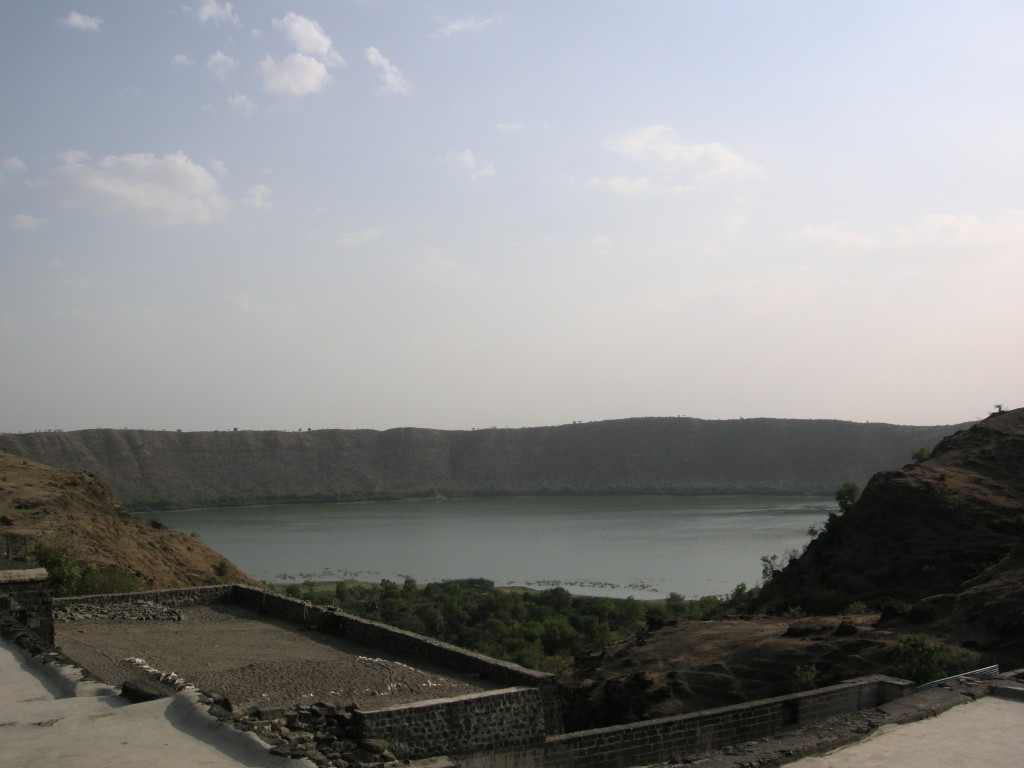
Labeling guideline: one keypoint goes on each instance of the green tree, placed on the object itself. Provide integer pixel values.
(918, 659)
(769, 567)
(919, 455)
(847, 495)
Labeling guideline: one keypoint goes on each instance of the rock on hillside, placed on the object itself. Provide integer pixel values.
(77, 508)
(651, 455)
(938, 543)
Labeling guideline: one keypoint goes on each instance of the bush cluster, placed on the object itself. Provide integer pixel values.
(70, 575)
(541, 630)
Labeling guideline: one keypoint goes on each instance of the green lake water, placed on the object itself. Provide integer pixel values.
(616, 546)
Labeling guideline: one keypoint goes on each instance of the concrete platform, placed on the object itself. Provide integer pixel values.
(985, 733)
(44, 727)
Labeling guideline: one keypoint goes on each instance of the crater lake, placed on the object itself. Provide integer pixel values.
(613, 546)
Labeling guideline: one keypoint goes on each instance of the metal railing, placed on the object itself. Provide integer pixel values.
(983, 672)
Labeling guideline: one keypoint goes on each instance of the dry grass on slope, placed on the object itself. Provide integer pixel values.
(75, 510)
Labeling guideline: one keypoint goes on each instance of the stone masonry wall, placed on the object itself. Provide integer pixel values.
(676, 738)
(457, 726)
(172, 597)
(520, 727)
(25, 596)
(334, 622)
(339, 624)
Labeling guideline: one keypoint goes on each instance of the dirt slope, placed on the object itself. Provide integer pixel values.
(54, 504)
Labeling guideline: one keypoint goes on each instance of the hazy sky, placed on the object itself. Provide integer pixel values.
(281, 215)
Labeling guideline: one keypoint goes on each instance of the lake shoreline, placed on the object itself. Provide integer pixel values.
(644, 547)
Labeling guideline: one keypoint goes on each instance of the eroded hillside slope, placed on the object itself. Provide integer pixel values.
(928, 529)
(77, 510)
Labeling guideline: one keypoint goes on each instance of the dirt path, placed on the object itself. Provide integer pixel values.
(228, 651)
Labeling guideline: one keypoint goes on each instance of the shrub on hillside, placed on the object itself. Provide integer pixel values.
(918, 659)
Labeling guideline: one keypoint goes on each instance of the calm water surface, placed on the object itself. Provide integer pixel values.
(645, 546)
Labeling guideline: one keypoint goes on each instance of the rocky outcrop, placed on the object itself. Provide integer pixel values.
(937, 544)
(652, 455)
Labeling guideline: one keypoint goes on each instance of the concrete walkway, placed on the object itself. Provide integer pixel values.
(48, 719)
(985, 733)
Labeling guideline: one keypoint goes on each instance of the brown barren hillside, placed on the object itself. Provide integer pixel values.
(932, 528)
(77, 509)
(648, 455)
(936, 548)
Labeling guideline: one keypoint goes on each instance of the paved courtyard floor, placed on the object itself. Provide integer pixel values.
(253, 660)
(988, 732)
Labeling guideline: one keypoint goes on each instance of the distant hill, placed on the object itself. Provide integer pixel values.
(75, 511)
(162, 469)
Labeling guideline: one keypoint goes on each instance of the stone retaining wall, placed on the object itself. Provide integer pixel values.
(676, 738)
(26, 596)
(339, 624)
(520, 727)
(457, 726)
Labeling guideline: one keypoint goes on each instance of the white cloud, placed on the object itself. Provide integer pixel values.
(305, 72)
(24, 221)
(76, 20)
(358, 238)
(181, 60)
(634, 185)
(242, 105)
(241, 305)
(467, 24)
(436, 267)
(949, 231)
(468, 162)
(309, 37)
(936, 241)
(158, 191)
(296, 74)
(220, 64)
(258, 196)
(832, 236)
(212, 11)
(601, 244)
(14, 164)
(656, 143)
(511, 127)
(218, 168)
(392, 79)
(72, 156)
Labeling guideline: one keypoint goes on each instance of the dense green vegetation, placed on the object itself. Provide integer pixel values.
(70, 575)
(917, 658)
(539, 630)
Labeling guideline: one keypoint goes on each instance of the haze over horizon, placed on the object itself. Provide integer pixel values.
(291, 215)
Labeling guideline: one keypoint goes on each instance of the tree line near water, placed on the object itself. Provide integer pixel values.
(541, 630)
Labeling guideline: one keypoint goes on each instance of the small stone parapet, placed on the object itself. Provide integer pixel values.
(26, 596)
(176, 598)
